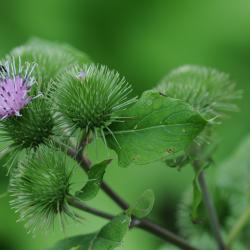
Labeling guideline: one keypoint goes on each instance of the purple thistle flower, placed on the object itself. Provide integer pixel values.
(13, 96)
(14, 88)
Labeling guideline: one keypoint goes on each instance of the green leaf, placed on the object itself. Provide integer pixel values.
(95, 175)
(144, 205)
(108, 238)
(158, 127)
(112, 234)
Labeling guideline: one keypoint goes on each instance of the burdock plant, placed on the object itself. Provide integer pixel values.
(54, 102)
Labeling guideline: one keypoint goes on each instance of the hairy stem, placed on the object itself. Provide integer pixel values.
(212, 214)
(145, 225)
(242, 221)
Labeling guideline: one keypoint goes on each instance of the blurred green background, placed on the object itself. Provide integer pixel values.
(143, 40)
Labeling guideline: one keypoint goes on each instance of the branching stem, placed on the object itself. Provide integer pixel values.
(145, 225)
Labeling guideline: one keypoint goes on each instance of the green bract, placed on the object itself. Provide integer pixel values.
(32, 128)
(51, 58)
(39, 186)
(88, 97)
(34, 123)
(208, 90)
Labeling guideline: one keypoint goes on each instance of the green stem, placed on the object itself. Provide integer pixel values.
(74, 202)
(211, 211)
(239, 225)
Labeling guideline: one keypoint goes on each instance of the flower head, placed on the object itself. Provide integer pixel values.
(52, 59)
(24, 123)
(39, 186)
(14, 88)
(209, 91)
(90, 96)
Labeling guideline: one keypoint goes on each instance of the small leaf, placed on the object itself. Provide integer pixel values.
(95, 175)
(158, 127)
(112, 234)
(108, 238)
(144, 205)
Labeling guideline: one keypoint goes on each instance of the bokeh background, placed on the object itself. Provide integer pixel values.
(143, 40)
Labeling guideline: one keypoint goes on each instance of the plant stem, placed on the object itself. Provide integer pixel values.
(212, 214)
(82, 206)
(145, 225)
(163, 233)
(244, 218)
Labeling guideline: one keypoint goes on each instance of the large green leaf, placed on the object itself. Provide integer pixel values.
(95, 175)
(157, 127)
(144, 205)
(108, 238)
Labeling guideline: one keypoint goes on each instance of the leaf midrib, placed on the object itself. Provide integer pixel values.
(152, 127)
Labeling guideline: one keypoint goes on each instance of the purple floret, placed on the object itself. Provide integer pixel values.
(13, 96)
